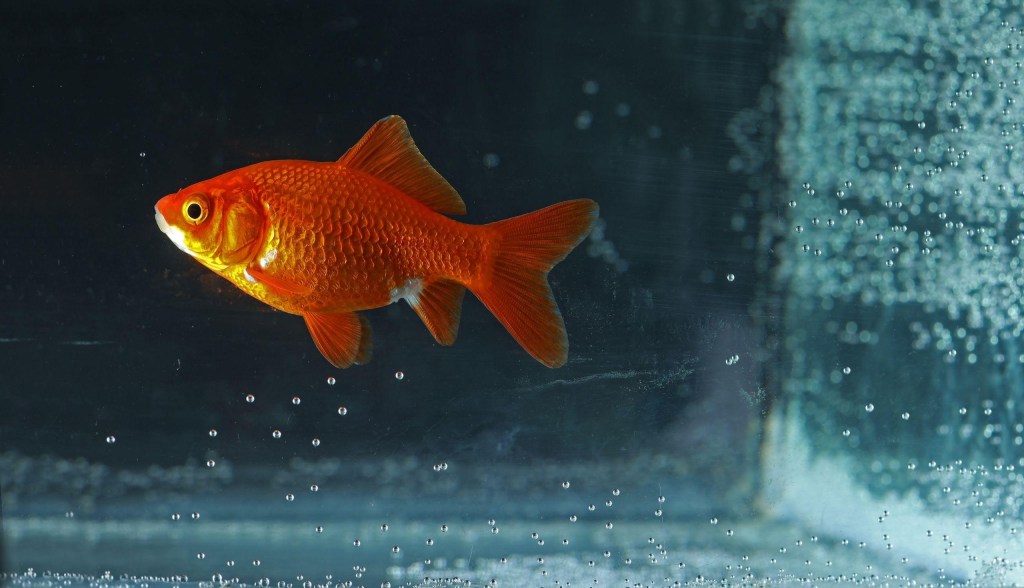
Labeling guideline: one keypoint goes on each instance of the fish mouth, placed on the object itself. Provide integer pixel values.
(173, 233)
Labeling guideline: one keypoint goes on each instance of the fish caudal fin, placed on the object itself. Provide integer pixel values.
(440, 306)
(516, 288)
(343, 338)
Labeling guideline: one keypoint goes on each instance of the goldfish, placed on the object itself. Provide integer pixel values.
(326, 240)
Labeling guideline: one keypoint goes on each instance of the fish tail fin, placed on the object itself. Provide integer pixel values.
(515, 286)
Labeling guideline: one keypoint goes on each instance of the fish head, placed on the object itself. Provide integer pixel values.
(219, 222)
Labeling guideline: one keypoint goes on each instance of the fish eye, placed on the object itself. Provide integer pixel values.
(195, 209)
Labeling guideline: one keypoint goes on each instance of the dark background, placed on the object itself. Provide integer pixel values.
(107, 329)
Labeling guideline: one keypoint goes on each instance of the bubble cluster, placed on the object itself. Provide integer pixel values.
(900, 247)
(602, 248)
(921, 193)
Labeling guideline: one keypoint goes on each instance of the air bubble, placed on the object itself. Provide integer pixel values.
(869, 407)
(342, 410)
(566, 484)
(583, 120)
(316, 442)
(399, 376)
(331, 381)
(213, 432)
(296, 400)
(111, 439)
(276, 434)
(250, 398)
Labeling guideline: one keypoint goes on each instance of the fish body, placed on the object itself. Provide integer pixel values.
(326, 239)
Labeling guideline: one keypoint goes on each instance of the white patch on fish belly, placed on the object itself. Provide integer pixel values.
(248, 277)
(268, 258)
(410, 291)
(173, 233)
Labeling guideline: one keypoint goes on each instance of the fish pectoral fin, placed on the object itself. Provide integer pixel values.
(276, 283)
(388, 153)
(343, 338)
(440, 307)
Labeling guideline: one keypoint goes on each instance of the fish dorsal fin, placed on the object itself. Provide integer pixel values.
(388, 153)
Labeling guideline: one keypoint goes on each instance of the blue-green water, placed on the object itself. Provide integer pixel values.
(794, 352)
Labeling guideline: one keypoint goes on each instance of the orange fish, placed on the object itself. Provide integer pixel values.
(327, 239)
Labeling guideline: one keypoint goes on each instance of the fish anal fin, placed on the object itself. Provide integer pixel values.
(276, 283)
(388, 153)
(343, 338)
(439, 305)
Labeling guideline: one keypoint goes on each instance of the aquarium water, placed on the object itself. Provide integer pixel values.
(795, 331)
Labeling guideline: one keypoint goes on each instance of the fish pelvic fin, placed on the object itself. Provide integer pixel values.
(439, 305)
(344, 338)
(388, 153)
(515, 288)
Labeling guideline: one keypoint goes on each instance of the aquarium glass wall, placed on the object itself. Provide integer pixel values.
(794, 327)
